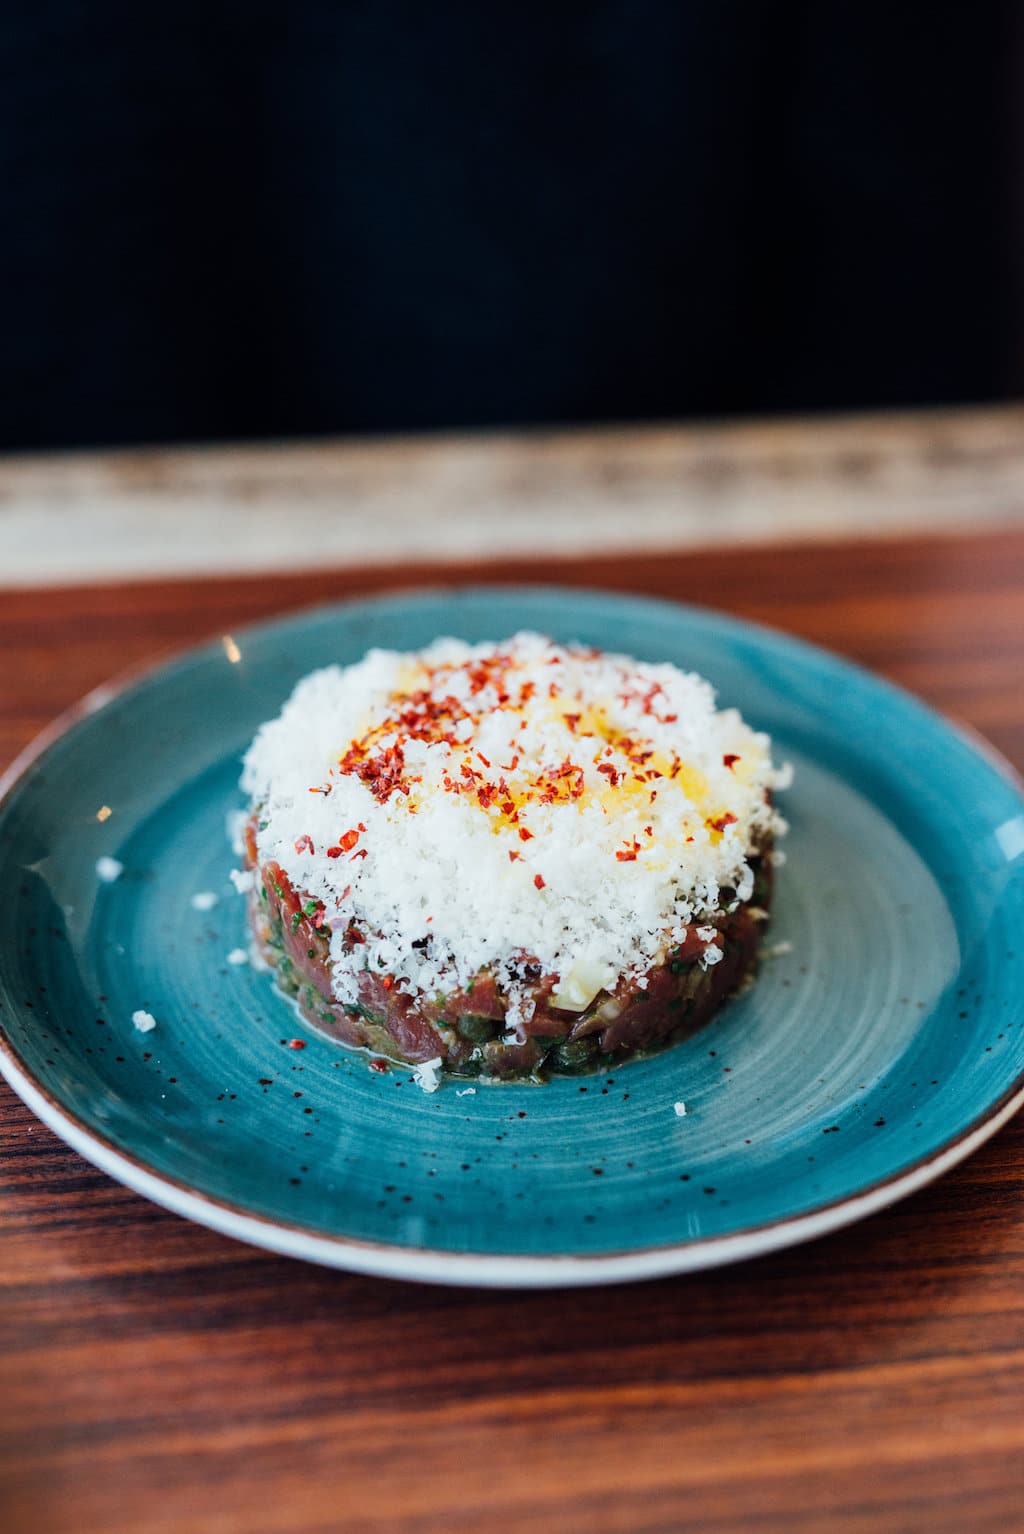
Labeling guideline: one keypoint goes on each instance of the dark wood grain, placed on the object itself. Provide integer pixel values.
(155, 1377)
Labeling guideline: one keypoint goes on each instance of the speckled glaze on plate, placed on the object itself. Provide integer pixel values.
(881, 1049)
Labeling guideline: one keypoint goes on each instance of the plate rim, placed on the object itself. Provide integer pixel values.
(495, 1270)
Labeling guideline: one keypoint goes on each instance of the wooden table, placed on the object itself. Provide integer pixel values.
(155, 1377)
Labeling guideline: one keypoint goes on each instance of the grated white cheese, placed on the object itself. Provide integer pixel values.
(680, 1110)
(244, 879)
(577, 807)
(238, 956)
(205, 900)
(466, 1092)
(108, 870)
(428, 1075)
(145, 1022)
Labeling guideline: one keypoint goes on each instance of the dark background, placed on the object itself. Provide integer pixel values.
(227, 220)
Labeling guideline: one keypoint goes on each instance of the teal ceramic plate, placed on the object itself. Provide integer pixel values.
(882, 1048)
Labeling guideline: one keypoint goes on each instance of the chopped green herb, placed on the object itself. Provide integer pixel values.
(360, 1009)
(286, 977)
(311, 907)
(295, 921)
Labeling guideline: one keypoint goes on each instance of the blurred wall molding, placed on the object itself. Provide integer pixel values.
(83, 517)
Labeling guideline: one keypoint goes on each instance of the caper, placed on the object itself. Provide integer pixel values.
(477, 1029)
(573, 1054)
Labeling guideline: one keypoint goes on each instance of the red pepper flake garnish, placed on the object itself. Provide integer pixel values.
(387, 982)
(304, 844)
(481, 758)
(513, 857)
(611, 773)
(513, 764)
(380, 1066)
(654, 794)
(296, 1043)
(628, 854)
(572, 720)
(334, 852)
(325, 790)
(538, 881)
(648, 831)
(729, 758)
(721, 823)
(348, 841)
(525, 835)
(361, 826)
(360, 854)
(355, 936)
(382, 773)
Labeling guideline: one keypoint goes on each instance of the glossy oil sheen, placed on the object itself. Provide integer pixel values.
(890, 1028)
